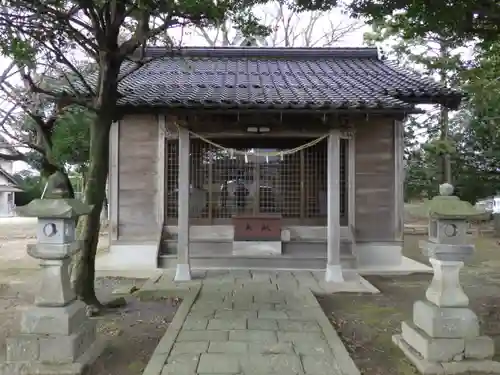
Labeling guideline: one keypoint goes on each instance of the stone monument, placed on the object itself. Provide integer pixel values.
(56, 335)
(444, 337)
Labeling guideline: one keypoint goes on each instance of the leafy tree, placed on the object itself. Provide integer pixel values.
(435, 56)
(32, 187)
(461, 20)
(479, 139)
(26, 122)
(111, 35)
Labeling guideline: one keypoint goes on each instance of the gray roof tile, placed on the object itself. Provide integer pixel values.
(280, 78)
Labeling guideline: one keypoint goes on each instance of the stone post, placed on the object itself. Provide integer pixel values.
(56, 335)
(496, 215)
(444, 335)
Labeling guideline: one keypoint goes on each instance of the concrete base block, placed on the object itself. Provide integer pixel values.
(334, 274)
(54, 320)
(257, 248)
(482, 347)
(129, 256)
(375, 254)
(445, 322)
(423, 366)
(51, 348)
(183, 272)
(38, 368)
(432, 349)
(427, 367)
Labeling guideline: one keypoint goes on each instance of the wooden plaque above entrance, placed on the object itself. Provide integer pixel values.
(257, 227)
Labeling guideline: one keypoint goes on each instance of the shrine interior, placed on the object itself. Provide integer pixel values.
(263, 176)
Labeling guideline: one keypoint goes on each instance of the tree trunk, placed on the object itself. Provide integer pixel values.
(97, 174)
(84, 267)
(445, 159)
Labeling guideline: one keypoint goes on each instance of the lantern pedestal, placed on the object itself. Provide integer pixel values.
(444, 335)
(56, 335)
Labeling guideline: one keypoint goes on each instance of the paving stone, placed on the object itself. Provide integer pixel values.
(210, 298)
(261, 276)
(194, 323)
(294, 337)
(242, 274)
(253, 336)
(270, 297)
(218, 363)
(271, 364)
(186, 335)
(302, 314)
(320, 365)
(320, 347)
(188, 347)
(200, 314)
(278, 348)
(207, 305)
(229, 347)
(271, 314)
(286, 280)
(257, 285)
(263, 324)
(306, 279)
(249, 305)
(220, 324)
(298, 325)
(295, 303)
(181, 364)
(235, 314)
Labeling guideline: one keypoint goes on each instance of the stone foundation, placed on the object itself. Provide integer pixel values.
(257, 248)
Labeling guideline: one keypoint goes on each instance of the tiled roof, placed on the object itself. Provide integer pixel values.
(280, 78)
(12, 183)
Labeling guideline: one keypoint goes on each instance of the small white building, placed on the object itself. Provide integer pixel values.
(8, 185)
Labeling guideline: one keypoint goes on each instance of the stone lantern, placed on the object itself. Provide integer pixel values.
(444, 334)
(56, 334)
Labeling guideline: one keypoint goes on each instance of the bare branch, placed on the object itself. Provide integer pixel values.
(16, 156)
(203, 33)
(289, 28)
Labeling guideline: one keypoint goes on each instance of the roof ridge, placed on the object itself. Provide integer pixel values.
(8, 176)
(270, 52)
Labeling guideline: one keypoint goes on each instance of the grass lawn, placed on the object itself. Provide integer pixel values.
(366, 323)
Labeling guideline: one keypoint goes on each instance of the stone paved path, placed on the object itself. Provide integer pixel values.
(254, 327)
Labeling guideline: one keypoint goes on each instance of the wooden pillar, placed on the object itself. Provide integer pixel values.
(351, 181)
(160, 188)
(333, 267)
(113, 180)
(398, 180)
(183, 272)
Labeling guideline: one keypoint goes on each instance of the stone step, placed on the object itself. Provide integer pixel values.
(226, 233)
(254, 262)
(296, 248)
